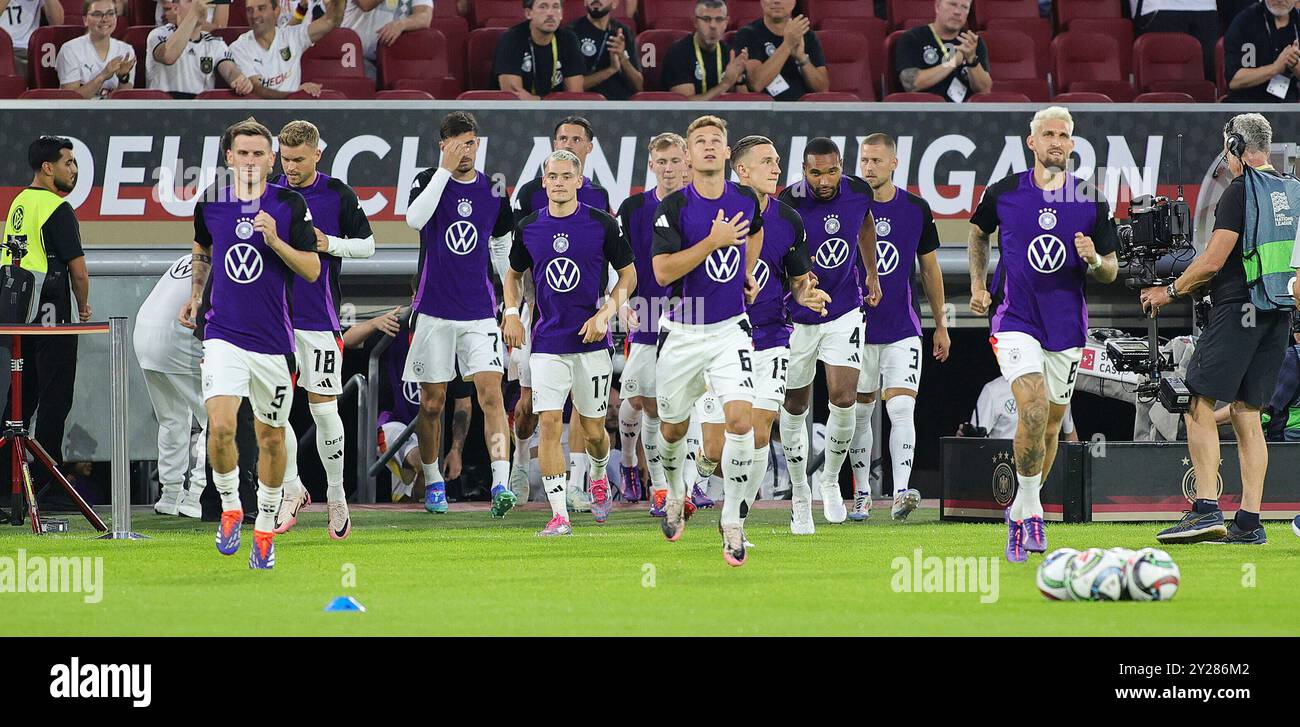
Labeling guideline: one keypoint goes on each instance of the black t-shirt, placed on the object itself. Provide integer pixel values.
(543, 68)
(762, 44)
(61, 236)
(593, 44)
(919, 48)
(682, 66)
(1229, 284)
(1254, 41)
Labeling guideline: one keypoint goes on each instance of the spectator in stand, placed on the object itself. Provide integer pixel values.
(611, 70)
(695, 66)
(944, 57)
(1260, 52)
(272, 56)
(96, 64)
(184, 60)
(20, 18)
(165, 12)
(538, 56)
(375, 21)
(785, 58)
(1197, 18)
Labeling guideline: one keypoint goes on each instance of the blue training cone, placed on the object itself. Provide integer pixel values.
(345, 603)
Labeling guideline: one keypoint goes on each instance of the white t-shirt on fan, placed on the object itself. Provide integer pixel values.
(20, 19)
(280, 66)
(79, 62)
(194, 72)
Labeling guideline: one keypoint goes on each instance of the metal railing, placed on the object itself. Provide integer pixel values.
(370, 437)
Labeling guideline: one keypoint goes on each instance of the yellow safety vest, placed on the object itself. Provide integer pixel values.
(26, 219)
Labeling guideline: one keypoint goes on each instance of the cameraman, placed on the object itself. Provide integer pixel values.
(1246, 334)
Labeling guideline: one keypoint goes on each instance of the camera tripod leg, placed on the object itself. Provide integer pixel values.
(45, 459)
(32, 509)
(15, 515)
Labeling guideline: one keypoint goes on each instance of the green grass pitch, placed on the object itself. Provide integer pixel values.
(465, 574)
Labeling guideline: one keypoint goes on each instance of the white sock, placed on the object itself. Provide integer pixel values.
(596, 468)
(629, 426)
(794, 440)
(268, 504)
(329, 442)
(860, 449)
(291, 483)
(650, 442)
(839, 435)
(431, 473)
(1027, 503)
(902, 439)
(756, 475)
(227, 484)
(738, 452)
(500, 473)
(554, 486)
(577, 471)
(673, 455)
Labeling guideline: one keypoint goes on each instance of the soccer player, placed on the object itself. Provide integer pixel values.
(248, 346)
(833, 207)
(1040, 318)
(569, 248)
(342, 230)
(456, 210)
(671, 167)
(708, 237)
(783, 264)
(891, 354)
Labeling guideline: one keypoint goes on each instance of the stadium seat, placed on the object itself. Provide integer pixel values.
(456, 31)
(1163, 97)
(1081, 97)
(338, 55)
(50, 94)
(43, 49)
(999, 97)
(1065, 12)
(326, 94)
(659, 96)
(653, 46)
(402, 95)
(141, 12)
(230, 33)
(914, 23)
(1220, 83)
(483, 95)
(446, 10)
(574, 96)
(657, 12)
(743, 96)
(1171, 62)
(12, 86)
(137, 36)
(819, 11)
(902, 10)
(914, 97)
(222, 94)
(8, 67)
(1040, 30)
(356, 89)
(479, 49)
(985, 10)
(848, 67)
(1089, 62)
(419, 61)
(743, 12)
(483, 11)
(873, 29)
(574, 10)
(74, 11)
(831, 97)
(1121, 30)
(1035, 88)
(238, 14)
(891, 73)
(139, 94)
(1011, 55)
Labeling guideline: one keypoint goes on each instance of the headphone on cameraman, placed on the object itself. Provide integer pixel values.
(1235, 143)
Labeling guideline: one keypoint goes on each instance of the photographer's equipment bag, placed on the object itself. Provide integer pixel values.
(16, 286)
(1268, 237)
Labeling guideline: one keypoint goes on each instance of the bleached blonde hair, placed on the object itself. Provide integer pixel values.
(563, 155)
(1052, 113)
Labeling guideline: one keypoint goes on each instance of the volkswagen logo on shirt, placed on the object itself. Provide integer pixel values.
(886, 257)
(243, 263)
(832, 253)
(562, 275)
(1046, 253)
(411, 391)
(464, 208)
(461, 237)
(182, 269)
(560, 244)
(244, 228)
(722, 264)
(761, 273)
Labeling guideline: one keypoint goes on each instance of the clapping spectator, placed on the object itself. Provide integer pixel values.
(539, 56)
(96, 64)
(944, 57)
(184, 60)
(1260, 52)
(612, 69)
(702, 66)
(785, 58)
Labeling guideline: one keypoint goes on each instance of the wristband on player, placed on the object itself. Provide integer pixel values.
(1095, 265)
(511, 311)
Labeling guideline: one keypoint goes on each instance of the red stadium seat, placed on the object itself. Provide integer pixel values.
(12, 86)
(483, 11)
(658, 96)
(1067, 11)
(743, 12)
(402, 95)
(1220, 83)
(574, 96)
(891, 72)
(1089, 62)
(904, 10)
(1035, 88)
(356, 89)
(914, 97)
(326, 94)
(479, 50)
(141, 12)
(43, 50)
(1011, 55)
(456, 31)
(743, 96)
(819, 11)
(986, 10)
(1082, 97)
(848, 67)
(1171, 62)
(482, 95)
(51, 94)
(7, 65)
(419, 61)
(1039, 30)
(238, 14)
(338, 55)
(230, 33)
(446, 10)
(222, 94)
(831, 97)
(1120, 29)
(999, 97)
(574, 10)
(686, 24)
(1163, 97)
(499, 22)
(873, 29)
(914, 23)
(137, 36)
(653, 47)
(139, 94)
(74, 11)
(656, 12)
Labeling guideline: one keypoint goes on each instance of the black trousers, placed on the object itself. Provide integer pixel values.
(1203, 24)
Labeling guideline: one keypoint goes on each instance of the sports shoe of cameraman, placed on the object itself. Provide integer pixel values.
(1249, 276)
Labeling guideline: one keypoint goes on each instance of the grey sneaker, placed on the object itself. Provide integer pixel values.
(904, 503)
(674, 521)
(733, 545)
(578, 501)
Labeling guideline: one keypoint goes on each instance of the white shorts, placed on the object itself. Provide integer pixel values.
(265, 379)
(770, 368)
(389, 433)
(320, 361)
(1020, 353)
(440, 344)
(834, 343)
(639, 371)
(709, 410)
(585, 376)
(894, 365)
(693, 359)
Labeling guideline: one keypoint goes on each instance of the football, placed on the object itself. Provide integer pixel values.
(1151, 575)
(1051, 574)
(1094, 575)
